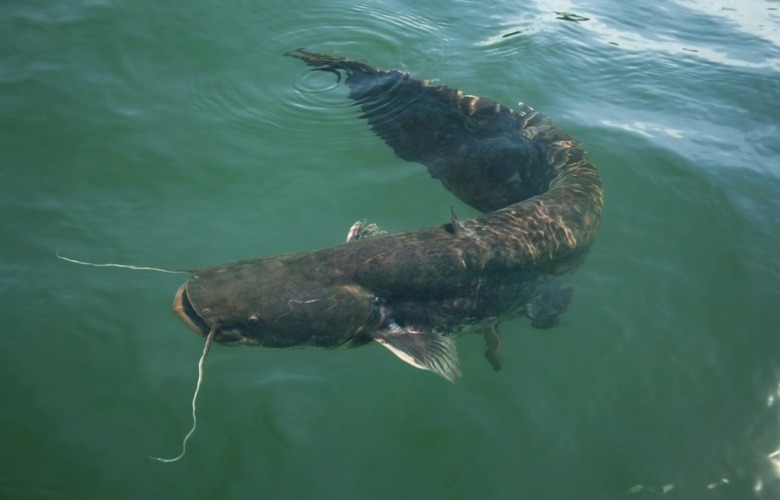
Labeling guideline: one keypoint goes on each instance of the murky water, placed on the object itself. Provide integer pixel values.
(177, 135)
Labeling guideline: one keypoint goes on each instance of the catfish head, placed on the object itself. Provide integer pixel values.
(277, 302)
(303, 300)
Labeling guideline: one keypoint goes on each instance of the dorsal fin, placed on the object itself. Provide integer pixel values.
(457, 225)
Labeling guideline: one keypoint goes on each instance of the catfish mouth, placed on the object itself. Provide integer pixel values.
(185, 311)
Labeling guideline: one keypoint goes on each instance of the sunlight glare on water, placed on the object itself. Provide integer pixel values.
(163, 135)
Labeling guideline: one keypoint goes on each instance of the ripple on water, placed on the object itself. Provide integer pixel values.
(380, 34)
(233, 100)
(367, 28)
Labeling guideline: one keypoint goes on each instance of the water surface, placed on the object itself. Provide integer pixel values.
(177, 135)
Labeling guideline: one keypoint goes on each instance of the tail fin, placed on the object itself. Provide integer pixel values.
(486, 154)
(333, 64)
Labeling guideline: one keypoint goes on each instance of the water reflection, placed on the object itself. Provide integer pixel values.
(756, 22)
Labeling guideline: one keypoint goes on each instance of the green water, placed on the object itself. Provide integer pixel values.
(176, 135)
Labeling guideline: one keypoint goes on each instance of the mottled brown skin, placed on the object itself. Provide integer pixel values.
(544, 204)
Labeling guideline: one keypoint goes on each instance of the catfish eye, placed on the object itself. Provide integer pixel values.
(254, 319)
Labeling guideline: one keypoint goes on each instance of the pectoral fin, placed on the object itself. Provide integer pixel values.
(362, 229)
(427, 351)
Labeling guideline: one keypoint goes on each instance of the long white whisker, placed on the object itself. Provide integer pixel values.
(194, 399)
(125, 266)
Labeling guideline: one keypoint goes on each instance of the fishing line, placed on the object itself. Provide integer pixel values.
(125, 266)
(194, 400)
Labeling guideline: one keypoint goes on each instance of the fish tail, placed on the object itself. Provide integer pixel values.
(333, 64)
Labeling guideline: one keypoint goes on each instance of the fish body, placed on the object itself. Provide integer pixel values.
(414, 292)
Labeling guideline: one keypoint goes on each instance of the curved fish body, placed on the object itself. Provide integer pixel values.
(414, 292)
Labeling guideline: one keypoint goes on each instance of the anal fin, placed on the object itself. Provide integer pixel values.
(426, 351)
(549, 302)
